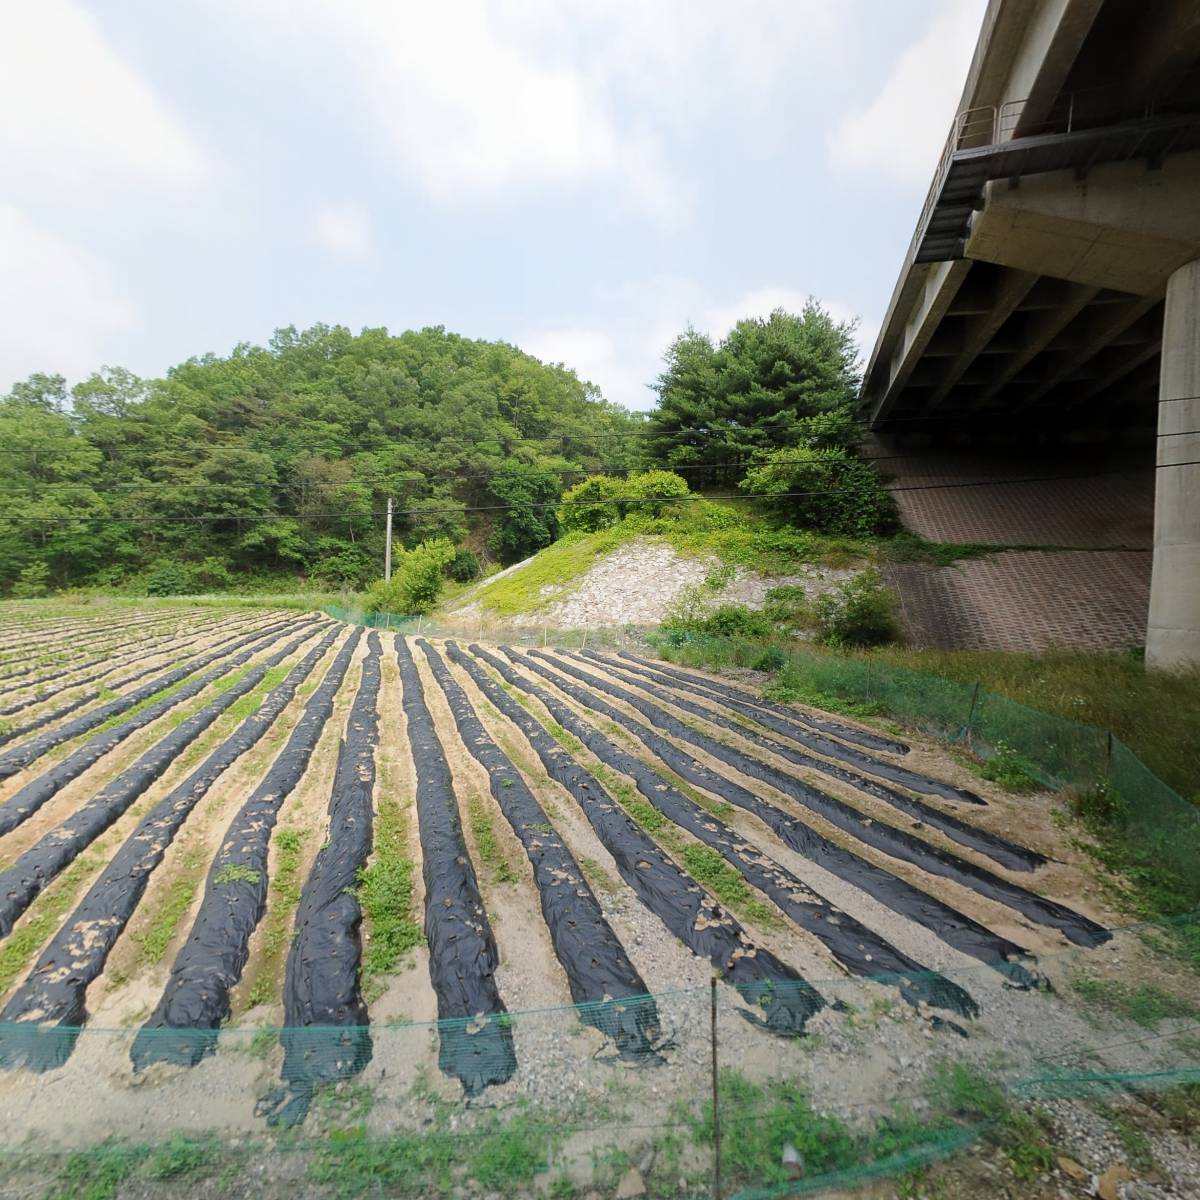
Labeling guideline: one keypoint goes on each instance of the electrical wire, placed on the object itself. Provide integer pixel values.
(536, 505)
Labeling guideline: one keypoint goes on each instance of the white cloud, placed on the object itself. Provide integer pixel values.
(596, 357)
(902, 131)
(345, 231)
(624, 364)
(58, 305)
(472, 107)
(494, 99)
(75, 114)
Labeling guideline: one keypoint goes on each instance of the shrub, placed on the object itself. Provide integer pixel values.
(416, 581)
(859, 612)
(588, 517)
(168, 579)
(771, 659)
(829, 491)
(33, 582)
(788, 607)
(211, 575)
(464, 566)
(656, 485)
(736, 620)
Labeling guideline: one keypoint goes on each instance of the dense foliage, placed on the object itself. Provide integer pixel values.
(416, 582)
(278, 460)
(828, 490)
(776, 383)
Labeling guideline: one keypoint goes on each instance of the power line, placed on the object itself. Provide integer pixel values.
(391, 480)
(79, 441)
(461, 509)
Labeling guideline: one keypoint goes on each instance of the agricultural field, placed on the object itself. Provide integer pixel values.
(263, 871)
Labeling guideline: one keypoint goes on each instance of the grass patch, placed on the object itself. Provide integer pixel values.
(1155, 713)
(168, 912)
(759, 1120)
(597, 876)
(725, 882)
(385, 892)
(46, 913)
(960, 1091)
(283, 894)
(500, 1156)
(1144, 1004)
(548, 576)
(494, 858)
(1007, 767)
(102, 1172)
(911, 548)
(790, 687)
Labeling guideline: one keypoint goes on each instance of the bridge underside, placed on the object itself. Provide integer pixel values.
(1016, 355)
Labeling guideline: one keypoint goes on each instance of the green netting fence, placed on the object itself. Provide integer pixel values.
(1060, 752)
(875, 1089)
(490, 630)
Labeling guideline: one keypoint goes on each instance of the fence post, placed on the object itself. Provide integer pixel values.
(1108, 749)
(971, 713)
(716, 1100)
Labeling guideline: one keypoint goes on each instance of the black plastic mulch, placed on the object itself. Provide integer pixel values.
(786, 714)
(196, 998)
(781, 1000)
(52, 998)
(859, 949)
(23, 803)
(321, 984)
(953, 927)
(53, 853)
(1001, 850)
(19, 757)
(830, 747)
(55, 684)
(898, 843)
(605, 985)
(475, 1046)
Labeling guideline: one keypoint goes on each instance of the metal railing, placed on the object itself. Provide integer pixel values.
(992, 124)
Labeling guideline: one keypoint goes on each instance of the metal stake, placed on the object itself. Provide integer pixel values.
(715, 1097)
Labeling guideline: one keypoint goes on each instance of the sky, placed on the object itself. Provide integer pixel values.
(582, 178)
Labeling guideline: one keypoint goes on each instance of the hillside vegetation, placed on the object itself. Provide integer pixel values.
(275, 463)
(271, 467)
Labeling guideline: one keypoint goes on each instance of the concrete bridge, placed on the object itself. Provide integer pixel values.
(1049, 302)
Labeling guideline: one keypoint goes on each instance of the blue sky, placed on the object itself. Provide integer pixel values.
(580, 177)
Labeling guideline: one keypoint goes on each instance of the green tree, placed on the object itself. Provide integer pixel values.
(782, 381)
(530, 523)
(416, 581)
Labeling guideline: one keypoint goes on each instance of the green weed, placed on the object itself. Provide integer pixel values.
(385, 891)
(283, 894)
(44, 916)
(1144, 1004)
(235, 873)
(497, 862)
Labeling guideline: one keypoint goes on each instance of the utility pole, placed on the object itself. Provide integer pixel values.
(387, 552)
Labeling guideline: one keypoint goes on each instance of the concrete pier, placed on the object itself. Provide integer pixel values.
(1173, 629)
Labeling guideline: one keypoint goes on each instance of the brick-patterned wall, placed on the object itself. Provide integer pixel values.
(1092, 593)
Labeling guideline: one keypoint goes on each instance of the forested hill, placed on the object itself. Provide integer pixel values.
(279, 459)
